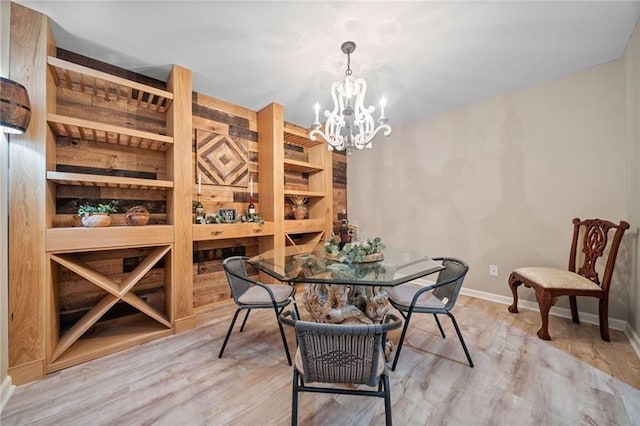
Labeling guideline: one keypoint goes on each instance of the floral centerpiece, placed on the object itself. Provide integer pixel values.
(354, 252)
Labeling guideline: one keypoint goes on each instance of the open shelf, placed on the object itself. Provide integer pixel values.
(93, 131)
(108, 337)
(301, 166)
(96, 83)
(297, 135)
(85, 179)
(61, 240)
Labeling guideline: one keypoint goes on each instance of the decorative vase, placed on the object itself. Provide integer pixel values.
(137, 216)
(299, 212)
(96, 220)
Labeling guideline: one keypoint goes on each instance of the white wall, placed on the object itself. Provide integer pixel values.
(5, 381)
(499, 181)
(632, 81)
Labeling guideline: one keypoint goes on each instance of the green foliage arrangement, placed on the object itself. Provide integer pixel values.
(216, 218)
(353, 252)
(88, 209)
(255, 218)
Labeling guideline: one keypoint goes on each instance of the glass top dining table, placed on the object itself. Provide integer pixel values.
(310, 264)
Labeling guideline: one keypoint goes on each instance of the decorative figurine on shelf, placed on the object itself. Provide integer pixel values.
(298, 207)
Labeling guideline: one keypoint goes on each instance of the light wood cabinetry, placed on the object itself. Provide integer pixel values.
(78, 293)
(316, 168)
(100, 94)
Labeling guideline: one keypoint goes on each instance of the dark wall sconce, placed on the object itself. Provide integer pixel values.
(15, 109)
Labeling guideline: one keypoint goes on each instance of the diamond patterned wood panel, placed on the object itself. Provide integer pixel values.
(222, 159)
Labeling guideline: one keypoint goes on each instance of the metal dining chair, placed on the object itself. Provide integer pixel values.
(250, 294)
(436, 299)
(338, 353)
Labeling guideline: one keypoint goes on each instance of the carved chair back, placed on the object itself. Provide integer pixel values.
(594, 244)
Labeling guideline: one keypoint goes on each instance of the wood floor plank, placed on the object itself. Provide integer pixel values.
(518, 378)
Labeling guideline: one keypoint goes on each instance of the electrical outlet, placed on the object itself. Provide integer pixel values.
(493, 270)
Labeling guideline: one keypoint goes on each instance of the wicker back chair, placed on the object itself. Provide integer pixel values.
(336, 353)
(251, 294)
(439, 298)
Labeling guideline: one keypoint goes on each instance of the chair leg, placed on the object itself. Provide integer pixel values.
(295, 305)
(513, 285)
(294, 399)
(387, 401)
(226, 339)
(604, 319)
(573, 302)
(245, 320)
(401, 341)
(545, 302)
(464, 345)
(439, 326)
(284, 339)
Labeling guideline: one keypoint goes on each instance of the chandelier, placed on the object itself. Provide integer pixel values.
(349, 125)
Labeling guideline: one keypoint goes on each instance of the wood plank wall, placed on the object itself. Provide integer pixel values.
(208, 114)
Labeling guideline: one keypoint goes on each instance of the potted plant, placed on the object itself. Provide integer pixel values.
(95, 216)
(298, 207)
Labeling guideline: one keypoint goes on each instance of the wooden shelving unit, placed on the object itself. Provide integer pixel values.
(81, 103)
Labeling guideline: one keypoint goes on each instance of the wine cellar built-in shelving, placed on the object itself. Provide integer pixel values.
(101, 127)
(95, 137)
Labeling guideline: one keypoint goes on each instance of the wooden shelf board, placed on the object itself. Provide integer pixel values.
(301, 166)
(97, 83)
(110, 337)
(99, 132)
(61, 240)
(291, 192)
(85, 179)
(301, 226)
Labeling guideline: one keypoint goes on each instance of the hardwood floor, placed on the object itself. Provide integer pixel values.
(518, 378)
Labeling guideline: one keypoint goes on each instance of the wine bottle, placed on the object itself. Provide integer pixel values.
(252, 208)
(199, 212)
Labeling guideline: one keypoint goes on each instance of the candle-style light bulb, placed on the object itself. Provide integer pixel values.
(316, 109)
(200, 183)
(383, 102)
(251, 186)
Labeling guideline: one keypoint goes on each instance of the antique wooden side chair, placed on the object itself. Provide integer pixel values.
(340, 354)
(550, 283)
(250, 294)
(439, 298)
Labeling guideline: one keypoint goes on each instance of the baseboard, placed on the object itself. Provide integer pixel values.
(588, 318)
(6, 389)
(633, 339)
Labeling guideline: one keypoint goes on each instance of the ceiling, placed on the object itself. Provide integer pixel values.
(424, 57)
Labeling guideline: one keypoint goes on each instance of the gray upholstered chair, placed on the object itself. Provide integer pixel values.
(336, 353)
(250, 294)
(436, 299)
